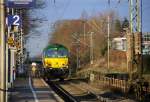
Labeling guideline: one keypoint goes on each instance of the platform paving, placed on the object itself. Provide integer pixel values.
(32, 90)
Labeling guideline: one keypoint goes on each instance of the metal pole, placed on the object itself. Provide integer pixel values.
(22, 50)
(10, 56)
(78, 45)
(138, 16)
(84, 30)
(135, 26)
(131, 15)
(2, 53)
(91, 47)
(108, 42)
(7, 50)
(77, 51)
(21, 46)
(141, 38)
(7, 66)
(131, 40)
(141, 15)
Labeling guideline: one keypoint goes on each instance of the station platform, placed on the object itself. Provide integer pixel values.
(32, 90)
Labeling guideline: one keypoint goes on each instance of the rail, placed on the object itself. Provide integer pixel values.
(67, 97)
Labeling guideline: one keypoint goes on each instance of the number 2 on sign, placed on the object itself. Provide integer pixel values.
(16, 20)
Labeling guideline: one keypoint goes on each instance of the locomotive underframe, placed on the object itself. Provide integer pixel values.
(56, 72)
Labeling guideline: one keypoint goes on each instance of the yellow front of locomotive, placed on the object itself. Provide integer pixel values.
(56, 63)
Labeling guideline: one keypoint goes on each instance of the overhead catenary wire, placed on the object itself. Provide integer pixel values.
(96, 29)
(63, 11)
(93, 25)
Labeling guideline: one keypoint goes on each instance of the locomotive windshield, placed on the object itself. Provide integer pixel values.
(60, 53)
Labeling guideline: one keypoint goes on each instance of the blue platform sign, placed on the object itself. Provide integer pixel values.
(20, 3)
(14, 20)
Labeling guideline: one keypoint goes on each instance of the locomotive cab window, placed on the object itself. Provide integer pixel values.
(62, 53)
(51, 53)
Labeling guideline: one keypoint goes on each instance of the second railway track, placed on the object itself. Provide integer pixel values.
(65, 91)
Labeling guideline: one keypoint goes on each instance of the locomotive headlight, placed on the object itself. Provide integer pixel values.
(49, 65)
(63, 64)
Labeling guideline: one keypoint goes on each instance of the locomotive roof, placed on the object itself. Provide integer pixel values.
(55, 46)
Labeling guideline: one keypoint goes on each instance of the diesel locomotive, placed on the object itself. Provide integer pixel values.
(55, 61)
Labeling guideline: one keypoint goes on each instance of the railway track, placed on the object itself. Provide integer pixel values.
(65, 90)
(66, 96)
(97, 97)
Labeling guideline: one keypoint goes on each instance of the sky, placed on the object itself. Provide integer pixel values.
(72, 9)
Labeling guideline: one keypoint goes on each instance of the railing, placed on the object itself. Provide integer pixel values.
(141, 90)
(116, 83)
(100, 78)
(106, 81)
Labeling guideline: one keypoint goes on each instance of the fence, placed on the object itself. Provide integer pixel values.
(121, 84)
